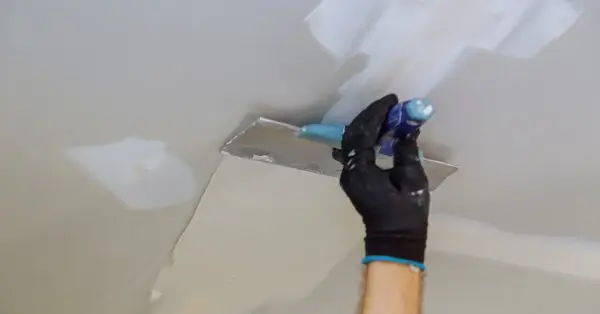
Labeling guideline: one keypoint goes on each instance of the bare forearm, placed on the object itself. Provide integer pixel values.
(391, 288)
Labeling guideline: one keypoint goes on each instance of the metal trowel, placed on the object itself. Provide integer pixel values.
(275, 142)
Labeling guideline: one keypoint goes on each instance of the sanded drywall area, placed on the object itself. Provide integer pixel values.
(268, 239)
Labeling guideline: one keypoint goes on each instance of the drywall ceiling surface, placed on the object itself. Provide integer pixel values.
(290, 242)
(112, 113)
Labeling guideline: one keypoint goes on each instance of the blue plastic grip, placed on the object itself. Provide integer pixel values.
(403, 119)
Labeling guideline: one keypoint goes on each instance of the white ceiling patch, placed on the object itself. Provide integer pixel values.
(142, 173)
(412, 45)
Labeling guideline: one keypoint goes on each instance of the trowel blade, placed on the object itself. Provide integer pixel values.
(276, 143)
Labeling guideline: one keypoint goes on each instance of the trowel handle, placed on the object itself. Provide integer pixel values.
(403, 119)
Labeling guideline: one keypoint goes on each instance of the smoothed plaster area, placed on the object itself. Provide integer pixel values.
(142, 173)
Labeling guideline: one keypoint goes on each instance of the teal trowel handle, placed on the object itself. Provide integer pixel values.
(330, 134)
(403, 119)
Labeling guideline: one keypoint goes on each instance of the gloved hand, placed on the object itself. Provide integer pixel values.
(394, 203)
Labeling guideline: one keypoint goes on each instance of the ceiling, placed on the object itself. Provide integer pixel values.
(186, 73)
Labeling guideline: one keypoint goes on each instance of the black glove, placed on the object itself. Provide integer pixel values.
(394, 203)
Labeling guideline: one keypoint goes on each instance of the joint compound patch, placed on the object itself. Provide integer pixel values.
(412, 45)
(142, 173)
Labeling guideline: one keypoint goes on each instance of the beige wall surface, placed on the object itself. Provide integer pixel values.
(101, 102)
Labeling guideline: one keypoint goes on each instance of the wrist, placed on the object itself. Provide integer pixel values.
(417, 266)
(399, 248)
(391, 288)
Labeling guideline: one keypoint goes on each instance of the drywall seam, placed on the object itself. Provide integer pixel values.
(568, 256)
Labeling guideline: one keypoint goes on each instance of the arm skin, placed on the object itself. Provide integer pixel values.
(391, 288)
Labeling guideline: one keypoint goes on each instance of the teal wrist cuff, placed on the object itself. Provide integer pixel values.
(383, 258)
